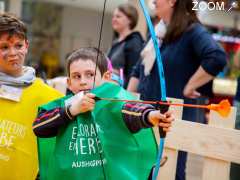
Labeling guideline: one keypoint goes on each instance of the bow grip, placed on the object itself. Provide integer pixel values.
(163, 109)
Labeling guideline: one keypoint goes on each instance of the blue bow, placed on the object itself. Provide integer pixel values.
(161, 78)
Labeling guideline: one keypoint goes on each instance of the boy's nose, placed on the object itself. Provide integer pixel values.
(12, 51)
(83, 81)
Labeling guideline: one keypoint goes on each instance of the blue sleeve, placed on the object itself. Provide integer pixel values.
(212, 56)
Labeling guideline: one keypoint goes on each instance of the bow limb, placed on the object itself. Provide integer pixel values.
(161, 79)
(157, 50)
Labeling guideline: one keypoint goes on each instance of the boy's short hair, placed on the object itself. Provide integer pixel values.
(11, 25)
(88, 53)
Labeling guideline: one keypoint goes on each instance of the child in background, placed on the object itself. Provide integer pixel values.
(20, 95)
(118, 79)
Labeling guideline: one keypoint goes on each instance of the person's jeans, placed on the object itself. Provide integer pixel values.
(181, 166)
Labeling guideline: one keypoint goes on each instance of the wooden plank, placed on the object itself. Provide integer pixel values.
(194, 167)
(214, 168)
(168, 171)
(215, 142)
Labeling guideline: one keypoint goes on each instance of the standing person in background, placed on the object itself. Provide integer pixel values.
(20, 95)
(235, 168)
(191, 59)
(236, 102)
(126, 48)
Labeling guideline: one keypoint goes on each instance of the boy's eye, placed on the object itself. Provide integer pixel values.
(89, 74)
(19, 46)
(4, 47)
(76, 77)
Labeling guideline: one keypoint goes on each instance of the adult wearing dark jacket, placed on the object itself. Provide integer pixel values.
(235, 168)
(126, 48)
(191, 59)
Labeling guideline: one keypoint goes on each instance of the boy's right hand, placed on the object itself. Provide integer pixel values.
(82, 104)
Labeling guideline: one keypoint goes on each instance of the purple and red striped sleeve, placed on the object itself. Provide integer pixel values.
(135, 116)
(48, 122)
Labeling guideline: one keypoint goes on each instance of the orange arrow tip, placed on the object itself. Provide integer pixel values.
(223, 108)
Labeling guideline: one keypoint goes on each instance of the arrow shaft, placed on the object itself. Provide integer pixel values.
(156, 102)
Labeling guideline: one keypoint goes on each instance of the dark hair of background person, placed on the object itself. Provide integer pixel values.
(12, 25)
(88, 53)
(182, 18)
(131, 12)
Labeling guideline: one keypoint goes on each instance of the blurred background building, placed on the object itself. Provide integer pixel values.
(57, 27)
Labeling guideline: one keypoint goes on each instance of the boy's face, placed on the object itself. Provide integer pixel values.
(12, 54)
(82, 76)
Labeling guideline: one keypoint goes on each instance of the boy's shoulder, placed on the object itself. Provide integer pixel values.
(60, 102)
(40, 85)
(42, 92)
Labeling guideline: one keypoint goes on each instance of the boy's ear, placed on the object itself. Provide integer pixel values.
(26, 45)
(68, 83)
(107, 76)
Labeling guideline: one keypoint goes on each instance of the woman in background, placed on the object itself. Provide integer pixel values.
(126, 48)
(191, 59)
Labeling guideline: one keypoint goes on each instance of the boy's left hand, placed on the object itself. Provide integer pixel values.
(162, 120)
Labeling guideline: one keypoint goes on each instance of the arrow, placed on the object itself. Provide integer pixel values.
(223, 107)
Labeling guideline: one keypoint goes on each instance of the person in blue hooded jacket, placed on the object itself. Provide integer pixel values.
(191, 59)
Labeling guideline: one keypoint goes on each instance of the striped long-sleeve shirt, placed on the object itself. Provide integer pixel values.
(47, 123)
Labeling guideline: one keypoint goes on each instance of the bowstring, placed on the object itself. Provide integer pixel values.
(99, 41)
(95, 72)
